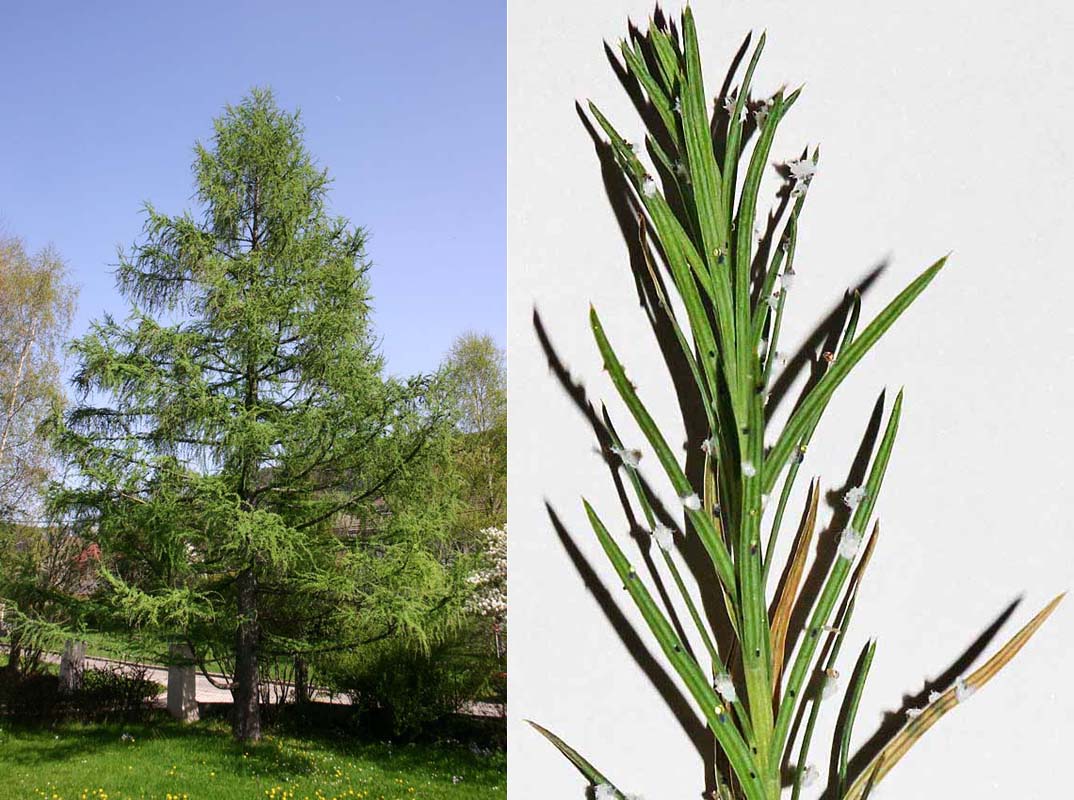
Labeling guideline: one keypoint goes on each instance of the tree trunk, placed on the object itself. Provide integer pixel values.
(247, 707)
(302, 680)
(14, 655)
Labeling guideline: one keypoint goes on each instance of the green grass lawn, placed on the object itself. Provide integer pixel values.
(129, 647)
(166, 761)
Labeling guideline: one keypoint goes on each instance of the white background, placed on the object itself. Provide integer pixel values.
(943, 126)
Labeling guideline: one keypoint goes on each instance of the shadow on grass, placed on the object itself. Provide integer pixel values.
(285, 752)
(41, 745)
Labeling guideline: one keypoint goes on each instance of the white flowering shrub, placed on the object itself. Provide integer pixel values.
(490, 583)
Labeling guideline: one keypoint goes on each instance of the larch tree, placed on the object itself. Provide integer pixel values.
(242, 411)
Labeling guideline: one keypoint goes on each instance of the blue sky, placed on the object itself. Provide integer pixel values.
(403, 103)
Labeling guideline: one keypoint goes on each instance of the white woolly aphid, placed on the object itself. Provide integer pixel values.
(630, 458)
(853, 497)
(663, 537)
(760, 115)
(849, 542)
(691, 502)
(725, 687)
(604, 791)
(831, 684)
(802, 169)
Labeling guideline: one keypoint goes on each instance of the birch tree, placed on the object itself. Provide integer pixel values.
(36, 303)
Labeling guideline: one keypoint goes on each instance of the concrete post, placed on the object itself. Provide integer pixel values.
(72, 662)
(182, 684)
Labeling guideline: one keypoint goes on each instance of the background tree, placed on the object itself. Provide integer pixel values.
(44, 567)
(479, 381)
(242, 411)
(479, 390)
(36, 303)
(408, 685)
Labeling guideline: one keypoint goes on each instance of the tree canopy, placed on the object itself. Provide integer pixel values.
(476, 366)
(36, 303)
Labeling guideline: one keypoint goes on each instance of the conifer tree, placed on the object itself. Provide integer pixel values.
(242, 411)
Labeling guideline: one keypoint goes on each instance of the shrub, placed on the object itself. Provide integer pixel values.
(401, 690)
(113, 692)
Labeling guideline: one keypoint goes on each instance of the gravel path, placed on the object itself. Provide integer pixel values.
(206, 692)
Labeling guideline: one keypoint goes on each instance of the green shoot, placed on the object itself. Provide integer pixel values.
(698, 228)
